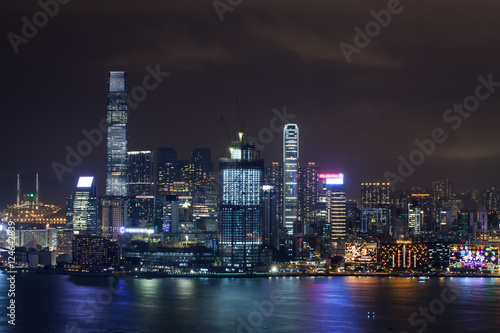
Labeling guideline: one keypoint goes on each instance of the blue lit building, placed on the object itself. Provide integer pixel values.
(116, 148)
(240, 218)
(290, 187)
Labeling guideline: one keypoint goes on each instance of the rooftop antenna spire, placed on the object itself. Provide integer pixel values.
(36, 191)
(18, 190)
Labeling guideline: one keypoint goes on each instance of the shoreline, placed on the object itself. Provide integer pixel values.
(256, 275)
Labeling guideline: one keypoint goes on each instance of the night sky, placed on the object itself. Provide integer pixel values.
(355, 117)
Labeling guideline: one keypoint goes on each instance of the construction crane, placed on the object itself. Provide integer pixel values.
(240, 123)
(225, 127)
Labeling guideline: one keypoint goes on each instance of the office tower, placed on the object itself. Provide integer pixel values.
(116, 139)
(167, 213)
(415, 217)
(353, 216)
(140, 173)
(176, 178)
(375, 220)
(114, 215)
(333, 187)
(493, 220)
(202, 158)
(421, 200)
(274, 178)
(480, 219)
(442, 189)
(290, 187)
(270, 228)
(375, 212)
(489, 200)
(465, 220)
(70, 199)
(166, 167)
(442, 194)
(308, 194)
(400, 199)
(205, 207)
(240, 217)
(84, 209)
(141, 212)
(323, 226)
(375, 195)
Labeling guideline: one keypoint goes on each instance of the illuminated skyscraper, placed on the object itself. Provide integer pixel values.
(274, 178)
(117, 123)
(240, 218)
(114, 215)
(84, 207)
(290, 188)
(140, 173)
(415, 218)
(333, 186)
(270, 223)
(308, 194)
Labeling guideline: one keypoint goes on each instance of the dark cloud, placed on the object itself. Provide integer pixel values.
(356, 118)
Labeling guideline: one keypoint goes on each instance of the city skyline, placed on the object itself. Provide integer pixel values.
(380, 94)
(243, 166)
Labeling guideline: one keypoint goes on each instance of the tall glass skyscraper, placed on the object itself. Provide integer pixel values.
(117, 123)
(240, 218)
(290, 188)
(84, 207)
(333, 187)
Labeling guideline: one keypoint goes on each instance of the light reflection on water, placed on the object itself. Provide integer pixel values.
(331, 304)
